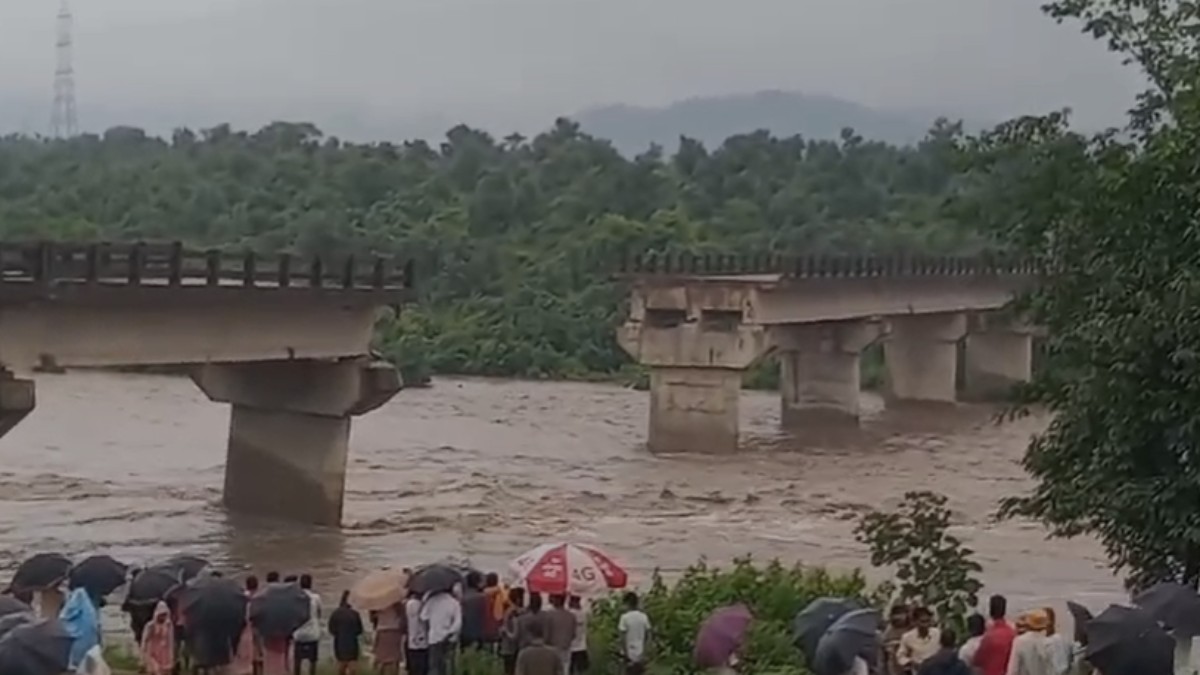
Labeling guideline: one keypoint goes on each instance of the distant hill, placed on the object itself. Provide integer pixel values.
(713, 119)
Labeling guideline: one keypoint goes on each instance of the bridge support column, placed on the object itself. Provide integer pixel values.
(17, 400)
(289, 431)
(922, 356)
(998, 355)
(819, 371)
(694, 409)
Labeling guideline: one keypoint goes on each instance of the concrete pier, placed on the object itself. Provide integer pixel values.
(289, 431)
(998, 355)
(17, 400)
(694, 409)
(922, 356)
(820, 376)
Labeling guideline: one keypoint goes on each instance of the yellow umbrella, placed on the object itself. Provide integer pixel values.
(378, 590)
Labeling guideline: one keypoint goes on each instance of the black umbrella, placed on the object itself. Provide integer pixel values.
(279, 610)
(436, 578)
(189, 566)
(44, 570)
(854, 634)
(11, 605)
(1129, 641)
(152, 584)
(10, 621)
(812, 622)
(35, 649)
(1173, 604)
(213, 602)
(99, 575)
(1080, 615)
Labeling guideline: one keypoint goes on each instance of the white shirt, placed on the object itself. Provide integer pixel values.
(579, 642)
(634, 626)
(418, 636)
(310, 631)
(1031, 655)
(1183, 654)
(442, 615)
(966, 653)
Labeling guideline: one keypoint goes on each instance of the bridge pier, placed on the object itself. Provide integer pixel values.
(17, 399)
(820, 377)
(922, 356)
(998, 355)
(694, 409)
(289, 431)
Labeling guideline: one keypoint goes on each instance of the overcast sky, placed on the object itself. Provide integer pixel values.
(518, 63)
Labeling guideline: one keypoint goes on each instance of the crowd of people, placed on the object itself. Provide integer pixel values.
(1031, 645)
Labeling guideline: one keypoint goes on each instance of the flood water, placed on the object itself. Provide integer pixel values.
(132, 465)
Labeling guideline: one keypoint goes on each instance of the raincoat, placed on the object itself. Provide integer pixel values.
(82, 622)
(158, 642)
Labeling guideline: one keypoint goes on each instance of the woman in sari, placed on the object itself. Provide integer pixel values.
(158, 642)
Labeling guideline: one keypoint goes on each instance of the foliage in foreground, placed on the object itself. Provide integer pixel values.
(1113, 220)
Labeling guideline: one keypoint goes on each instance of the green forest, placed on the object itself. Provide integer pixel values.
(511, 236)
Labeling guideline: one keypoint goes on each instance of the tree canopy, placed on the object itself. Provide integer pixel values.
(509, 234)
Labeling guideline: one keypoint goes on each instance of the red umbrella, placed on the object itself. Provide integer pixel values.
(568, 569)
(721, 635)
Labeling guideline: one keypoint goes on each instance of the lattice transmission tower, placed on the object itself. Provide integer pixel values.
(63, 120)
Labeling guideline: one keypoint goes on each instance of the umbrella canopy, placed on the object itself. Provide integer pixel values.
(44, 570)
(10, 621)
(436, 578)
(1080, 615)
(35, 649)
(11, 605)
(721, 635)
(213, 602)
(279, 609)
(379, 590)
(1129, 641)
(812, 622)
(153, 584)
(1173, 604)
(188, 566)
(99, 575)
(573, 569)
(854, 634)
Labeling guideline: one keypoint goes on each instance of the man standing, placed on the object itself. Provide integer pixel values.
(474, 612)
(898, 625)
(996, 646)
(308, 637)
(562, 623)
(920, 643)
(634, 628)
(538, 658)
(442, 615)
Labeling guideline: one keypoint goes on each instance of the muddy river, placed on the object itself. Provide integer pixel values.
(132, 465)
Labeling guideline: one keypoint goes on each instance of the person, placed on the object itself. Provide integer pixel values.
(538, 658)
(580, 661)
(899, 623)
(277, 656)
(919, 643)
(442, 615)
(50, 602)
(992, 657)
(272, 577)
(946, 660)
(345, 625)
(975, 629)
(495, 599)
(157, 644)
(563, 626)
(1031, 649)
(1080, 666)
(474, 612)
(509, 634)
(307, 638)
(247, 655)
(140, 613)
(533, 614)
(417, 640)
(1061, 649)
(389, 639)
(634, 630)
(81, 621)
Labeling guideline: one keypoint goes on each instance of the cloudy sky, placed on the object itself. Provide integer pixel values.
(515, 64)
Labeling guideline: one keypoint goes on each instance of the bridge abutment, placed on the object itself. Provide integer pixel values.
(998, 355)
(289, 431)
(820, 376)
(922, 357)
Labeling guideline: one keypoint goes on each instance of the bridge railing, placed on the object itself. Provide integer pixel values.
(171, 264)
(817, 267)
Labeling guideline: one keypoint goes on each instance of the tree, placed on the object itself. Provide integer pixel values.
(1112, 221)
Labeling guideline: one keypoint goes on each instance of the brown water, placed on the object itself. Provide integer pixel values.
(132, 466)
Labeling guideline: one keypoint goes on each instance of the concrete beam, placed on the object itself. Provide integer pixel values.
(694, 410)
(694, 344)
(922, 356)
(289, 431)
(819, 368)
